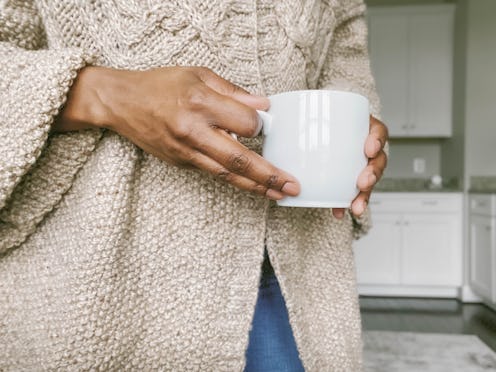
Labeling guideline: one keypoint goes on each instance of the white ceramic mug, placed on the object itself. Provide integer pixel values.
(318, 136)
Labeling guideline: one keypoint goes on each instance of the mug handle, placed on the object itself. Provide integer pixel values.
(266, 119)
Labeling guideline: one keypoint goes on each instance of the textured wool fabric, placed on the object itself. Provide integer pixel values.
(111, 259)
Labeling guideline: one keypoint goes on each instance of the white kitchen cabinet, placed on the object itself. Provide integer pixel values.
(481, 256)
(414, 247)
(483, 246)
(385, 257)
(411, 51)
(389, 61)
(431, 255)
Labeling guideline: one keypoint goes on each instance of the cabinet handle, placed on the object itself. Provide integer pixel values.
(477, 204)
(429, 202)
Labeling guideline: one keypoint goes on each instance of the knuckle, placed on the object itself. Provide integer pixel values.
(272, 181)
(239, 163)
(183, 130)
(259, 189)
(194, 97)
(223, 174)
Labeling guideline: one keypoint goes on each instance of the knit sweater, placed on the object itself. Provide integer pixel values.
(111, 259)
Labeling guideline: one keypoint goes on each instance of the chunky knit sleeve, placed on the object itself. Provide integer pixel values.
(36, 168)
(347, 67)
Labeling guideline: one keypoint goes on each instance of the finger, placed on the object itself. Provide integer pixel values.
(209, 165)
(226, 88)
(237, 159)
(228, 134)
(234, 116)
(359, 204)
(338, 213)
(372, 172)
(172, 160)
(378, 135)
(372, 146)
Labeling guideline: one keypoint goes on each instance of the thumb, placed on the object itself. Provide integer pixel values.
(226, 88)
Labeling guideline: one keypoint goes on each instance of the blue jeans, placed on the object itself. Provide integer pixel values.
(272, 347)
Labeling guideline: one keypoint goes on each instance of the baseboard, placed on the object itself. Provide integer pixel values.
(466, 294)
(408, 291)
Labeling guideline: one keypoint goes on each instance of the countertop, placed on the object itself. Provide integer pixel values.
(478, 185)
(482, 185)
(413, 185)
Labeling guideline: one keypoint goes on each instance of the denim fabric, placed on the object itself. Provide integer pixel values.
(271, 347)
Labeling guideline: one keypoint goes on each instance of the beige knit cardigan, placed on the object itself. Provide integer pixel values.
(111, 259)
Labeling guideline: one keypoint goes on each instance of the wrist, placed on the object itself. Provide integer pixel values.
(84, 108)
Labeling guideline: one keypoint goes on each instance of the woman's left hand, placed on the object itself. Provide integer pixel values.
(374, 150)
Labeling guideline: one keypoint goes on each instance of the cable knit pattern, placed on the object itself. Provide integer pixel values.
(111, 259)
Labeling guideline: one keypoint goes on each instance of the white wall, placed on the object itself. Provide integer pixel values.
(480, 117)
(402, 153)
(453, 149)
(472, 149)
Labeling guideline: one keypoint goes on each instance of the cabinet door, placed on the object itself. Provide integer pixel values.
(481, 256)
(389, 60)
(431, 60)
(431, 252)
(377, 253)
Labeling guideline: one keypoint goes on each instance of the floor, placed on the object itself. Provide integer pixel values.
(429, 315)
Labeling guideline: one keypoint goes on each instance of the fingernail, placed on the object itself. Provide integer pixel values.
(338, 214)
(291, 188)
(378, 146)
(372, 179)
(274, 195)
(361, 208)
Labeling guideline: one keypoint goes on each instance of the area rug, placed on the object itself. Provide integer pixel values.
(426, 352)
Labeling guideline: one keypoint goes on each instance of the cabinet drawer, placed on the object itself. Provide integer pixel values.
(483, 204)
(416, 203)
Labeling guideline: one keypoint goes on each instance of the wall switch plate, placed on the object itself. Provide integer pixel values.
(419, 165)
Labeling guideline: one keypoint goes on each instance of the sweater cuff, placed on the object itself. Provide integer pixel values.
(39, 168)
(362, 224)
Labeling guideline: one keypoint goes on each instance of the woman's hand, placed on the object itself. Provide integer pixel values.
(181, 115)
(374, 150)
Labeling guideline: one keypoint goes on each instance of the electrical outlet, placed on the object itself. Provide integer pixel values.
(419, 165)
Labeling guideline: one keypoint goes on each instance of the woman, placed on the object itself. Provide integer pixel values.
(133, 226)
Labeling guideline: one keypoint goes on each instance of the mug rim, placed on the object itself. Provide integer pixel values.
(347, 92)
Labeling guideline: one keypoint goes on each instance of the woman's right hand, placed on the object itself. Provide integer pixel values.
(181, 115)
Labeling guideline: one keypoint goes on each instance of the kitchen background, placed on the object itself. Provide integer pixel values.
(429, 265)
